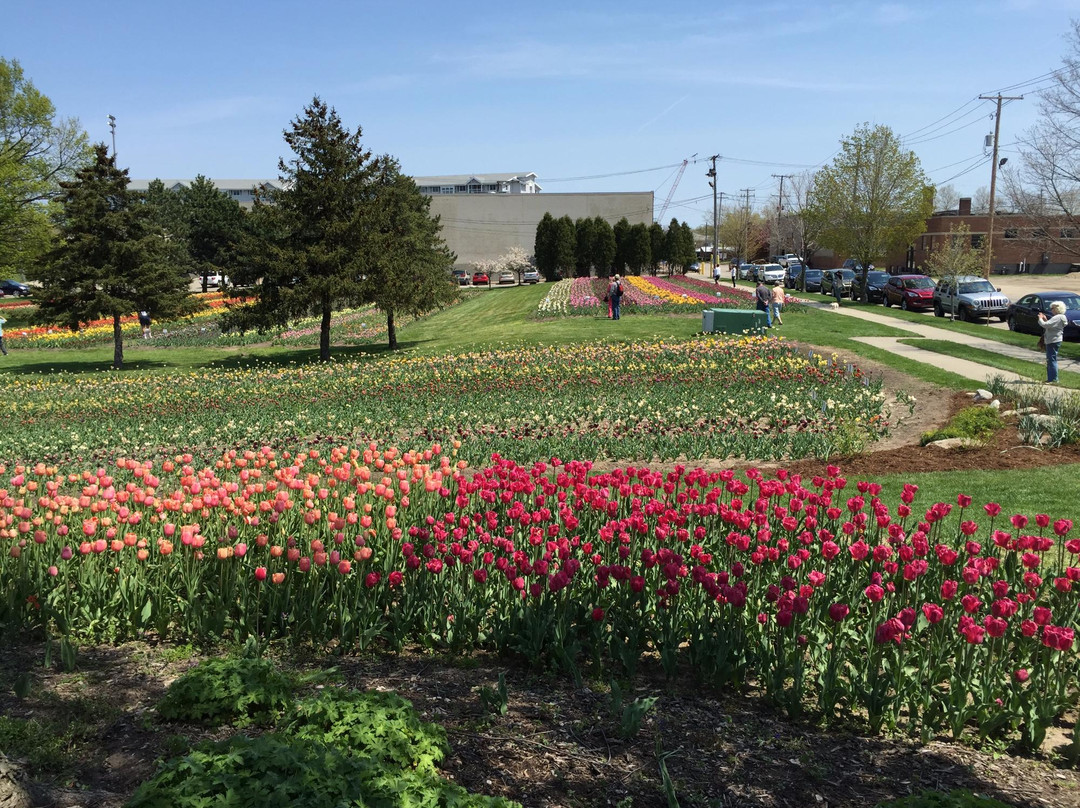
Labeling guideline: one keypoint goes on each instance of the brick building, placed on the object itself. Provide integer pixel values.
(1019, 245)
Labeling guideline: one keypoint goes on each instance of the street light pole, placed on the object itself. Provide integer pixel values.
(993, 180)
(112, 126)
(711, 174)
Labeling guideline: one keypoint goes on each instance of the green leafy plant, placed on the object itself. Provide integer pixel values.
(227, 690)
(977, 423)
(937, 799)
(495, 699)
(383, 726)
(45, 747)
(270, 771)
(629, 714)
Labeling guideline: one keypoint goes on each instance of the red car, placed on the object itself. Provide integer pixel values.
(909, 292)
(479, 277)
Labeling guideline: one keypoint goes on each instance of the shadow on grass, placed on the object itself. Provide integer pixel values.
(239, 358)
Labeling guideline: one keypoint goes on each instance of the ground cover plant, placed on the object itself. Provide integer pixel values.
(944, 616)
(338, 747)
(703, 397)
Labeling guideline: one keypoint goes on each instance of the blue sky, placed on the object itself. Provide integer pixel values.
(568, 91)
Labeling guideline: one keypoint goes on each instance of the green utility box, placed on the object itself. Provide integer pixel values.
(734, 321)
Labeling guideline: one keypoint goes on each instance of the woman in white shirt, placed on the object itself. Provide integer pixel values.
(1053, 333)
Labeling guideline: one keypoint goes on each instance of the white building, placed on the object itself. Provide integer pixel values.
(243, 191)
(521, 183)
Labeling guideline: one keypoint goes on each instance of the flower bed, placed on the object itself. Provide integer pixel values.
(924, 616)
(701, 397)
(641, 295)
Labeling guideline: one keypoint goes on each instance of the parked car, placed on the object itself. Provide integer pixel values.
(852, 264)
(746, 271)
(506, 276)
(794, 272)
(1023, 315)
(13, 288)
(531, 276)
(973, 297)
(831, 277)
(770, 273)
(216, 279)
(787, 259)
(909, 292)
(480, 277)
(461, 277)
(813, 279)
(875, 285)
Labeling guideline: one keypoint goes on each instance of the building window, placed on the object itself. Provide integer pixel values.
(447, 189)
(1010, 232)
(1068, 232)
(461, 189)
(474, 188)
(976, 240)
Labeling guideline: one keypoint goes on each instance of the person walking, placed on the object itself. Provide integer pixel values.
(776, 302)
(734, 274)
(615, 296)
(838, 286)
(762, 295)
(716, 275)
(1053, 332)
(144, 321)
(3, 347)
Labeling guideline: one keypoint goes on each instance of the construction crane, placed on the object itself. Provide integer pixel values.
(674, 185)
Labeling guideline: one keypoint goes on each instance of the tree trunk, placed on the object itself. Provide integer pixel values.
(324, 333)
(391, 330)
(118, 343)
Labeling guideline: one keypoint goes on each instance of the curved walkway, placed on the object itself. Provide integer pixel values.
(961, 367)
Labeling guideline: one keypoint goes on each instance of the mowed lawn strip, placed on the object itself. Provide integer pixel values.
(1032, 370)
(1026, 491)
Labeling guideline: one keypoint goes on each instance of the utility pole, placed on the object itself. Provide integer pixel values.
(711, 174)
(993, 177)
(746, 225)
(112, 126)
(780, 207)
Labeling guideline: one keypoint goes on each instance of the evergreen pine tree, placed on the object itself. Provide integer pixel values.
(113, 259)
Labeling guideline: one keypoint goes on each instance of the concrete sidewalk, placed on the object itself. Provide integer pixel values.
(961, 367)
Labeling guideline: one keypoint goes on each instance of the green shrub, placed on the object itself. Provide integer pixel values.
(937, 799)
(978, 423)
(383, 726)
(274, 772)
(219, 691)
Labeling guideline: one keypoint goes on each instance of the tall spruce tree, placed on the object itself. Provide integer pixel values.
(603, 246)
(583, 230)
(565, 246)
(621, 231)
(213, 226)
(657, 247)
(312, 237)
(544, 248)
(410, 266)
(113, 258)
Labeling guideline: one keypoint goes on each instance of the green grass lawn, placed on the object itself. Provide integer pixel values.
(1027, 491)
(1031, 370)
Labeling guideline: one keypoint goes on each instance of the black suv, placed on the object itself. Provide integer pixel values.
(14, 289)
(875, 285)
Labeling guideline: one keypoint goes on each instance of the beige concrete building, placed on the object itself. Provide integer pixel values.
(484, 226)
(482, 216)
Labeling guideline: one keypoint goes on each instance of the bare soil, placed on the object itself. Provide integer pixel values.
(558, 745)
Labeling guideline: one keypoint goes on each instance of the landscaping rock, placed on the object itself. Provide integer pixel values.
(955, 443)
(994, 405)
(12, 793)
(1021, 411)
(1045, 421)
(983, 395)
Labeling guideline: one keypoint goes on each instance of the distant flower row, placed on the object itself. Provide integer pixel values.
(641, 295)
